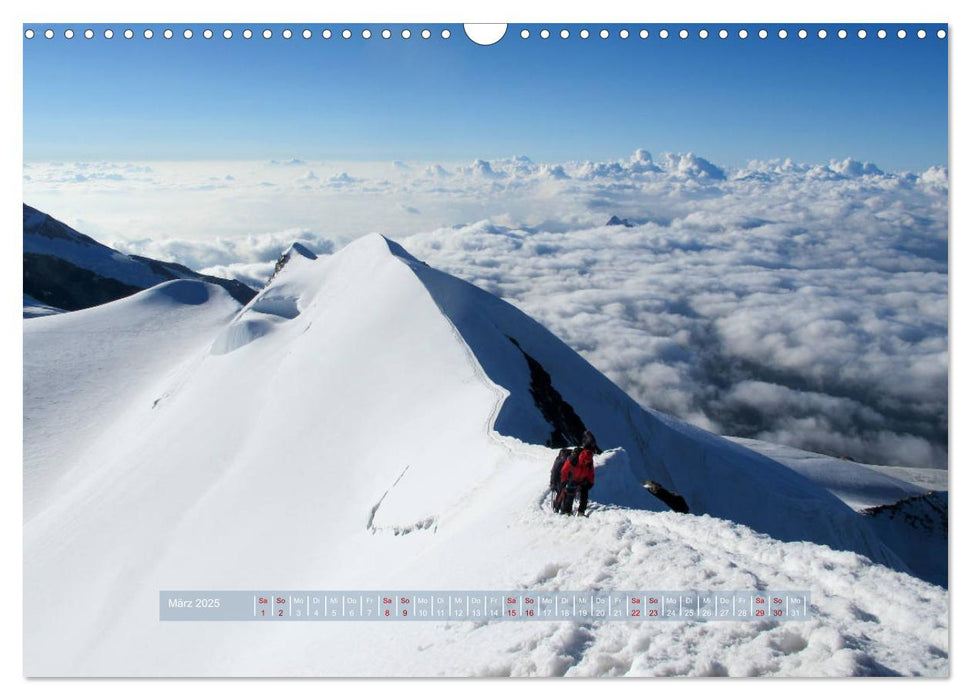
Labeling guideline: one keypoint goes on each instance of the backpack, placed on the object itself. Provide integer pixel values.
(574, 460)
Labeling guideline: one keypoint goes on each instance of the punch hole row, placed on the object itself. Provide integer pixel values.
(446, 34)
(725, 34)
(245, 34)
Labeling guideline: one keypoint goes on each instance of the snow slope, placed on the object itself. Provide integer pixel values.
(858, 485)
(368, 422)
(905, 506)
(84, 369)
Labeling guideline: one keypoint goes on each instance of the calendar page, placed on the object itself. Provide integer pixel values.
(399, 349)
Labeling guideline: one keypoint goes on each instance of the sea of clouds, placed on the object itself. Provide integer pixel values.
(796, 303)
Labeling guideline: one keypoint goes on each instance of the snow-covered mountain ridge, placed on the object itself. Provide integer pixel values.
(367, 421)
(66, 270)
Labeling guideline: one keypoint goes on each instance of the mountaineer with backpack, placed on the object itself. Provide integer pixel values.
(556, 483)
(577, 475)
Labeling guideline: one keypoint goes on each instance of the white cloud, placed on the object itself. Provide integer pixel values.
(482, 168)
(253, 274)
(555, 172)
(690, 165)
(854, 168)
(246, 258)
(342, 179)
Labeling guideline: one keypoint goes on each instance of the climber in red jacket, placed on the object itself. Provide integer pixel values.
(577, 474)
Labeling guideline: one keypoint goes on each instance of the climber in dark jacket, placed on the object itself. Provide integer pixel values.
(555, 482)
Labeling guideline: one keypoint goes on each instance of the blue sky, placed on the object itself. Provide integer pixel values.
(554, 100)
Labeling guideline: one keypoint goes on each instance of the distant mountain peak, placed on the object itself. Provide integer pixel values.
(617, 221)
(295, 249)
(300, 249)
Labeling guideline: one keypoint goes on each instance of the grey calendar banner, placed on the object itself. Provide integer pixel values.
(438, 606)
